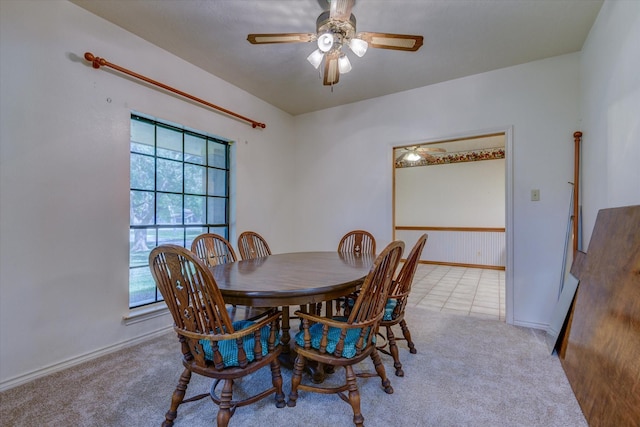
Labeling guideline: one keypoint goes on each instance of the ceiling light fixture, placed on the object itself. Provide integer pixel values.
(316, 58)
(336, 28)
(332, 36)
(344, 66)
(417, 153)
(358, 46)
(412, 156)
(325, 42)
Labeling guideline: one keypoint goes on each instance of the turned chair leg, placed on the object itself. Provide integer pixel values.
(276, 379)
(407, 336)
(354, 396)
(224, 413)
(377, 363)
(393, 349)
(177, 398)
(296, 377)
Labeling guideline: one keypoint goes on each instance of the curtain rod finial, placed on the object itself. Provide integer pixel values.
(95, 60)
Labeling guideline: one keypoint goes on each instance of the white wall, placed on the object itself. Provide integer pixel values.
(539, 100)
(469, 194)
(64, 169)
(610, 108)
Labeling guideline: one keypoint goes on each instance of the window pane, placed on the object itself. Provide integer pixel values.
(223, 231)
(217, 213)
(194, 179)
(192, 233)
(142, 287)
(194, 210)
(142, 172)
(142, 137)
(169, 176)
(169, 209)
(169, 143)
(217, 182)
(217, 155)
(195, 149)
(141, 207)
(174, 236)
(141, 242)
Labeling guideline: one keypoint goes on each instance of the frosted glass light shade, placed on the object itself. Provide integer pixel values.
(344, 66)
(315, 58)
(325, 42)
(358, 46)
(412, 157)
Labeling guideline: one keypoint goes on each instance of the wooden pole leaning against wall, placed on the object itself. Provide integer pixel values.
(577, 138)
(98, 62)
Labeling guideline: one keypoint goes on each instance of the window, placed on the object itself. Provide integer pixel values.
(179, 189)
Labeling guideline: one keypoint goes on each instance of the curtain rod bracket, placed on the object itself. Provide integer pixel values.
(98, 62)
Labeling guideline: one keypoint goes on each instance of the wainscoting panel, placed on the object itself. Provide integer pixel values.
(484, 247)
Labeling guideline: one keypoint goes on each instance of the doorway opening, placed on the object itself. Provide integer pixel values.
(458, 191)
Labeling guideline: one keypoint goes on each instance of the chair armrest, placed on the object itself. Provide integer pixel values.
(230, 336)
(398, 296)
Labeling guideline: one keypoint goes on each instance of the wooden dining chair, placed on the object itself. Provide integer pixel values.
(213, 249)
(397, 302)
(344, 342)
(252, 245)
(358, 242)
(212, 345)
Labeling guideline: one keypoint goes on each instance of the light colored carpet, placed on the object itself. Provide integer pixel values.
(467, 372)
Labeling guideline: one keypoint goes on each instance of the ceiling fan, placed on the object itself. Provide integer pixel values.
(336, 28)
(414, 154)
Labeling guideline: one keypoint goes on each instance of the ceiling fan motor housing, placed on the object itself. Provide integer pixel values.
(342, 31)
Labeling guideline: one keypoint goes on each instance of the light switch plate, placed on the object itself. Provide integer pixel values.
(535, 195)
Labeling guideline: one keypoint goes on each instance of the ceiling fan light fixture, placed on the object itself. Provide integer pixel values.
(325, 42)
(358, 46)
(315, 58)
(344, 66)
(335, 29)
(412, 156)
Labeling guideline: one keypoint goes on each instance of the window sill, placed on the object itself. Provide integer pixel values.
(145, 313)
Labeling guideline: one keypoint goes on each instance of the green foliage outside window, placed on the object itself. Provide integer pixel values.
(179, 189)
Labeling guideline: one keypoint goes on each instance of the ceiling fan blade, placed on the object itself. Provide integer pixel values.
(331, 72)
(281, 38)
(430, 149)
(392, 41)
(340, 10)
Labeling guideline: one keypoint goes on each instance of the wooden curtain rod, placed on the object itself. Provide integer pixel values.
(101, 62)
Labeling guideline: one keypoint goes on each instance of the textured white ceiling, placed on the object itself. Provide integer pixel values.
(461, 38)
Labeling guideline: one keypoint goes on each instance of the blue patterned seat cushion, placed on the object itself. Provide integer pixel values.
(388, 309)
(229, 348)
(333, 336)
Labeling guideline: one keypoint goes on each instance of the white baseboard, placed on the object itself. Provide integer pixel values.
(39, 373)
(532, 325)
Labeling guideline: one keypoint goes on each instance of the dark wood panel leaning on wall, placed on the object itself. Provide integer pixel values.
(601, 350)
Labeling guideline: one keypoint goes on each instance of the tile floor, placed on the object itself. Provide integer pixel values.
(473, 292)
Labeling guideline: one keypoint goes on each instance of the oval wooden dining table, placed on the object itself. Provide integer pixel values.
(288, 279)
(291, 279)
